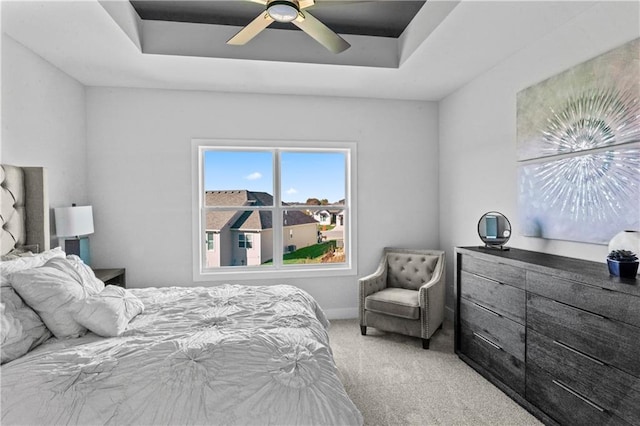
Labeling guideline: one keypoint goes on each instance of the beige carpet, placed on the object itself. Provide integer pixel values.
(393, 381)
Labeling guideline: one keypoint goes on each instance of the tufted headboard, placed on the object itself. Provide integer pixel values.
(24, 208)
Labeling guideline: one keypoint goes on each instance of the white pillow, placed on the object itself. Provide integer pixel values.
(53, 295)
(21, 329)
(27, 262)
(78, 270)
(108, 313)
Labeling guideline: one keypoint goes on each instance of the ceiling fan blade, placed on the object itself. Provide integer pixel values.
(253, 29)
(303, 4)
(319, 31)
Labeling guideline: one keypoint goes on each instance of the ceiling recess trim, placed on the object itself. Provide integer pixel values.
(209, 40)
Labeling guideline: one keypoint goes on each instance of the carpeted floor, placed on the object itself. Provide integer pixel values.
(393, 381)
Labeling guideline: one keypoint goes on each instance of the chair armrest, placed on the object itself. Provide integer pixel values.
(373, 283)
(432, 299)
(437, 280)
(369, 285)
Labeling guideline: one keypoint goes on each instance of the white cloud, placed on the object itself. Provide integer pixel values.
(254, 176)
(292, 191)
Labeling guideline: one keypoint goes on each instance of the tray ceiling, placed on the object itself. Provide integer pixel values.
(370, 18)
(375, 30)
(447, 44)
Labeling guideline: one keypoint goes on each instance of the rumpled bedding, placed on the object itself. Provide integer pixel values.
(227, 355)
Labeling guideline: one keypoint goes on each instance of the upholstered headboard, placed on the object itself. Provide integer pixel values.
(24, 208)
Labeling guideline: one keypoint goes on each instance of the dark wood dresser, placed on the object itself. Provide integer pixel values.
(558, 335)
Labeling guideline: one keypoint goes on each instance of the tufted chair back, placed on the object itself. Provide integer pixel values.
(409, 270)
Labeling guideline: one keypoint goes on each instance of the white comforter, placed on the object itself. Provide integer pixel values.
(219, 355)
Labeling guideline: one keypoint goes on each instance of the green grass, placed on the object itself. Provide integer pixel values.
(311, 254)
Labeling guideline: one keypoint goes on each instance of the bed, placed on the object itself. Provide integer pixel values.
(226, 355)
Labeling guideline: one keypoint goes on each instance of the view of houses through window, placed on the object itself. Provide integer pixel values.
(273, 208)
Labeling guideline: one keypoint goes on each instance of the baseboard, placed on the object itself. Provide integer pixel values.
(350, 313)
(343, 313)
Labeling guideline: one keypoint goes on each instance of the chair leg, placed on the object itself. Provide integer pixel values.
(363, 330)
(425, 343)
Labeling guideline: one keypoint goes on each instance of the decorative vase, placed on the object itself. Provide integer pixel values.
(623, 269)
(626, 240)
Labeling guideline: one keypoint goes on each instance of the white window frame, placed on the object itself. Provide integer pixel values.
(277, 270)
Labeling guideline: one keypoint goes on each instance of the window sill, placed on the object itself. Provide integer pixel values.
(246, 274)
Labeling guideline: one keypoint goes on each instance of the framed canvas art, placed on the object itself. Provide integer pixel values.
(579, 150)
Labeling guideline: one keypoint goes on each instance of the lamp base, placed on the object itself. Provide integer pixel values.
(79, 247)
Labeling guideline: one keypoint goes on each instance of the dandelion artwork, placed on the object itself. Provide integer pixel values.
(579, 150)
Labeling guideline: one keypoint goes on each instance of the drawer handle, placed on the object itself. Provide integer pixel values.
(489, 342)
(580, 309)
(577, 395)
(575, 351)
(493, 280)
(480, 275)
(487, 310)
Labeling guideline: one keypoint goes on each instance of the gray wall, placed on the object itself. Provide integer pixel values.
(139, 172)
(477, 138)
(43, 122)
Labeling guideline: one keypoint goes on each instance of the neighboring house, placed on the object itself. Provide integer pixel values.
(245, 237)
(337, 217)
(328, 217)
(323, 217)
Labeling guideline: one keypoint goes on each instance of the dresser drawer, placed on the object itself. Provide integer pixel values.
(563, 403)
(507, 334)
(611, 304)
(501, 298)
(611, 389)
(610, 341)
(506, 274)
(490, 356)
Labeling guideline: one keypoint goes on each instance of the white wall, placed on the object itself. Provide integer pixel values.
(43, 122)
(139, 172)
(478, 170)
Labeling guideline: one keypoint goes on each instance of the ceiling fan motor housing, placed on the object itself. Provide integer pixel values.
(283, 10)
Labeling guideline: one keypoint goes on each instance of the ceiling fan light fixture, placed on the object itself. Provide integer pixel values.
(283, 10)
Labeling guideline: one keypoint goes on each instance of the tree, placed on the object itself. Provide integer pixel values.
(313, 202)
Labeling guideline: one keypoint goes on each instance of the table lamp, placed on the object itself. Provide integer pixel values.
(74, 224)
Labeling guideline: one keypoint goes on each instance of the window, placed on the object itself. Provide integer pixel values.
(265, 206)
(244, 241)
(209, 240)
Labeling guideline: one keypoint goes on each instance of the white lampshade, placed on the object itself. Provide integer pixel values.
(74, 221)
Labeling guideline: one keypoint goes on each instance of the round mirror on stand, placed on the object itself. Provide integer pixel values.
(494, 230)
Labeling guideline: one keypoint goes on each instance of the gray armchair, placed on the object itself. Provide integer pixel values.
(405, 295)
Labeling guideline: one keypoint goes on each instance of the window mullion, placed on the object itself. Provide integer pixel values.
(277, 211)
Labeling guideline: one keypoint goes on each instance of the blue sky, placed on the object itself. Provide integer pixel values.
(304, 174)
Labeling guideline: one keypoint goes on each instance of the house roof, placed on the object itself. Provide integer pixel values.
(227, 198)
(247, 219)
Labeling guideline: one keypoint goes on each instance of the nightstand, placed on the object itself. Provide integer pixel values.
(112, 276)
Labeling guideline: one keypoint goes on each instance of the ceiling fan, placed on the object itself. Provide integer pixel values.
(291, 11)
